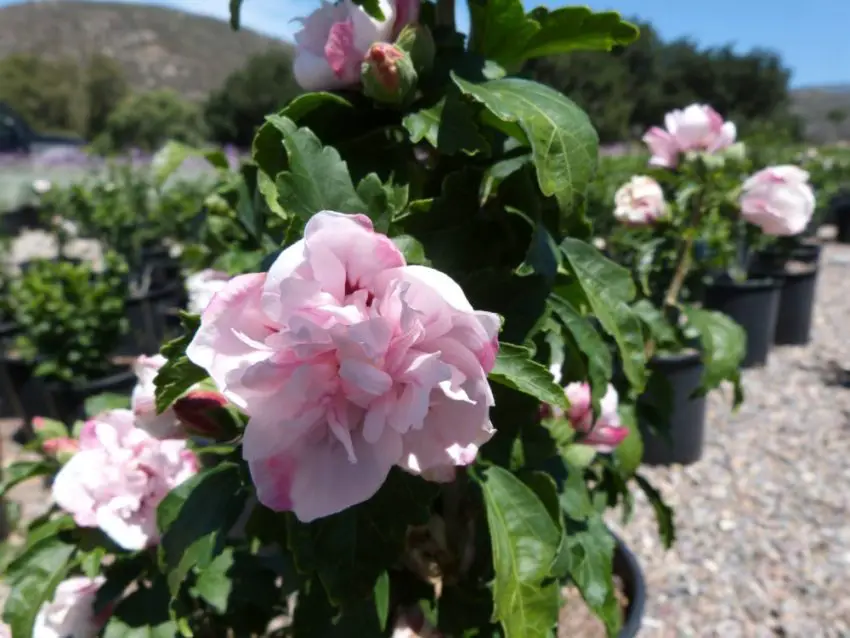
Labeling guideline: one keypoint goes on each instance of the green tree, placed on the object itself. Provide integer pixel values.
(47, 93)
(264, 85)
(106, 87)
(147, 120)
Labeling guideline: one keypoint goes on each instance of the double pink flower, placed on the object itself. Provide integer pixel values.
(696, 128)
(348, 362)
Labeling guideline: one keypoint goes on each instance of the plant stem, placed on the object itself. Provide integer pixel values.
(686, 255)
(445, 16)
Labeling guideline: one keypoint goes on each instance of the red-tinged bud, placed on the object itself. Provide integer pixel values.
(388, 75)
(198, 412)
(61, 449)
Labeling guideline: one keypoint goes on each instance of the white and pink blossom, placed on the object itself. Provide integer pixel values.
(349, 362)
(70, 613)
(639, 202)
(608, 431)
(695, 128)
(779, 200)
(119, 476)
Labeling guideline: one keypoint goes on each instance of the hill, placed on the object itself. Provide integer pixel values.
(826, 111)
(157, 47)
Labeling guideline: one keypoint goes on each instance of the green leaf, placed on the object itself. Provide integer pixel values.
(382, 599)
(379, 200)
(516, 369)
(214, 583)
(724, 344)
(524, 541)
(316, 617)
(23, 471)
(178, 374)
(413, 251)
(168, 159)
(630, 451)
(317, 178)
(104, 402)
(33, 578)
(599, 365)
(350, 550)
(500, 30)
(195, 518)
(578, 455)
(608, 288)
(144, 613)
(577, 28)
(563, 142)
(449, 126)
(660, 330)
(663, 512)
(588, 554)
(235, 10)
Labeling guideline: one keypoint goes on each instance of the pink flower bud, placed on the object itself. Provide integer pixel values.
(195, 412)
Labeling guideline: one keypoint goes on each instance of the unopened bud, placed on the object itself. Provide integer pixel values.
(62, 449)
(199, 413)
(388, 75)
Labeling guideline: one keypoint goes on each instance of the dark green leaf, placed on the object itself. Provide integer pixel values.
(317, 178)
(105, 402)
(23, 471)
(144, 613)
(525, 540)
(577, 28)
(316, 617)
(660, 330)
(235, 10)
(663, 512)
(563, 142)
(515, 368)
(599, 365)
(449, 126)
(195, 518)
(214, 583)
(33, 577)
(608, 288)
(178, 374)
(351, 549)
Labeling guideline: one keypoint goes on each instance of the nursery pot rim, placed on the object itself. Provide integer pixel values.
(752, 282)
(627, 566)
(678, 358)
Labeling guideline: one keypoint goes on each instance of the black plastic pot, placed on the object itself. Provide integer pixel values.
(147, 323)
(796, 306)
(754, 304)
(669, 394)
(627, 567)
(13, 375)
(66, 401)
(840, 211)
(14, 221)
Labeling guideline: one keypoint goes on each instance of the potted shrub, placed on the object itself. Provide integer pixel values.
(71, 320)
(12, 374)
(690, 350)
(421, 259)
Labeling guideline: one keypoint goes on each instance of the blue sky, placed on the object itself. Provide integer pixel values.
(812, 36)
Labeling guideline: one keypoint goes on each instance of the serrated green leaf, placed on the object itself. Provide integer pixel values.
(214, 583)
(515, 368)
(178, 374)
(524, 541)
(608, 289)
(563, 142)
(577, 28)
(194, 520)
(33, 578)
(316, 178)
(500, 30)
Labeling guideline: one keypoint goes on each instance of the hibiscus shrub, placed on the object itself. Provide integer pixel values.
(386, 433)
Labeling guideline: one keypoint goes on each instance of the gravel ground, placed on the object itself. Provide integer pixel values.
(763, 543)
